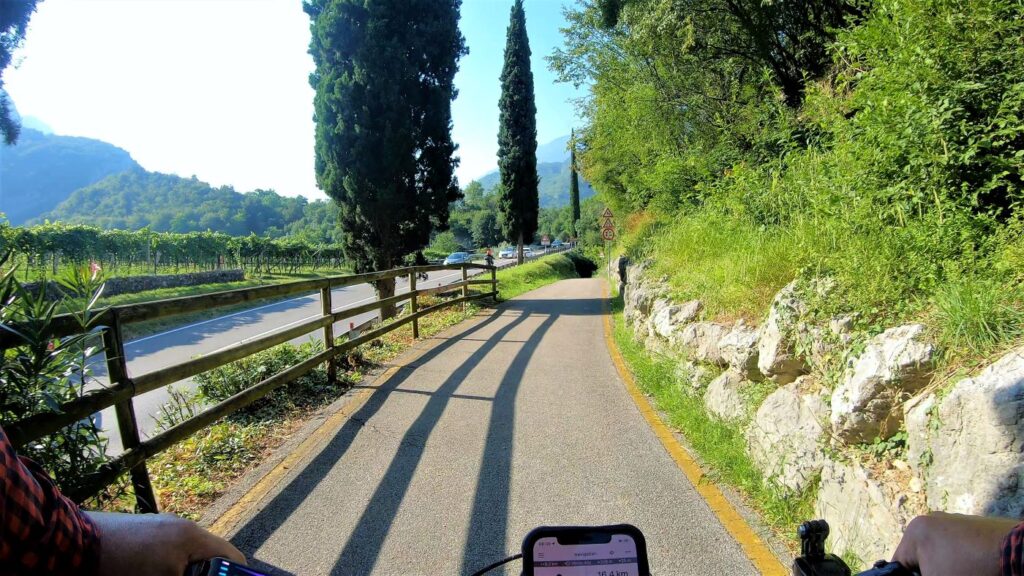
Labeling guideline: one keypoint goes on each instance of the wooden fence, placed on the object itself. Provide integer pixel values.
(124, 387)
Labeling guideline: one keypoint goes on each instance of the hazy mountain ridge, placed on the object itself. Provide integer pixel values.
(42, 170)
(554, 172)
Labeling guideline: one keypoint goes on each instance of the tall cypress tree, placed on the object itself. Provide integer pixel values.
(384, 84)
(517, 136)
(574, 186)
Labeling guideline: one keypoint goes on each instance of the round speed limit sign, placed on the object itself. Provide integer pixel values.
(608, 234)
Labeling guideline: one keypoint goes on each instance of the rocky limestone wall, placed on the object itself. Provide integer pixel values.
(133, 284)
(854, 417)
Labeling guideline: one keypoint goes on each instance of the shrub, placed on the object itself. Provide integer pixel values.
(41, 373)
(224, 382)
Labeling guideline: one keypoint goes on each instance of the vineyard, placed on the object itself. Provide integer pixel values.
(48, 250)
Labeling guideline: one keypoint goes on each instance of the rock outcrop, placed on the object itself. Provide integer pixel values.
(777, 358)
(723, 397)
(969, 444)
(786, 436)
(965, 444)
(667, 319)
(739, 350)
(894, 365)
(864, 518)
(701, 339)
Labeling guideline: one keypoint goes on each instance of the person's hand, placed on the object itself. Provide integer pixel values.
(157, 544)
(942, 544)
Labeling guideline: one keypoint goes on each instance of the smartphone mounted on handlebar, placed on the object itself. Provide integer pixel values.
(813, 561)
(618, 550)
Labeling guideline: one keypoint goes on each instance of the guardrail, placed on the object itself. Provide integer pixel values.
(123, 387)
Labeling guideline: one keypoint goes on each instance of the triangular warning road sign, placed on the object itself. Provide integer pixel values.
(607, 213)
(608, 223)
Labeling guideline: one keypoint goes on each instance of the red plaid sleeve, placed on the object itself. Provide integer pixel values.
(1011, 562)
(41, 531)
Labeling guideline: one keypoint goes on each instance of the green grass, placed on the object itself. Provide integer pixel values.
(721, 447)
(532, 275)
(972, 301)
(975, 315)
(734, 270)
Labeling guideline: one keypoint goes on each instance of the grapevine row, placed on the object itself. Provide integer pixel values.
(46, 250)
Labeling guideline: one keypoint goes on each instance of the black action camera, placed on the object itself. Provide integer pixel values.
(813, 561)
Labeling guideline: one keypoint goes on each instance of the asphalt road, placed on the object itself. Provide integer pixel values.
(180, 344)
(514, 420)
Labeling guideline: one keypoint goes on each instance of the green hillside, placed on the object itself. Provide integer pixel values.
(168, 203)
(42, 170)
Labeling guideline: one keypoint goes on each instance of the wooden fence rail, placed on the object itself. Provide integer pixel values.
(123, 387)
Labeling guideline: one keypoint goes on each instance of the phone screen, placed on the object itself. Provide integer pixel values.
(221, 567)
(615, 556)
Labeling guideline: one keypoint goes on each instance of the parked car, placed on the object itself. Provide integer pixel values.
(557, 244)
(508, 252)
(528, 252)
(457, 258)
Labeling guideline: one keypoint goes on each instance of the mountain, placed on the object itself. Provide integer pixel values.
(36, 124)
(168, 203)
(42, 170)
(554, 184)
(555, 151)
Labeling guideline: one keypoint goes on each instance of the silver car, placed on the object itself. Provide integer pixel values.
(457, 258)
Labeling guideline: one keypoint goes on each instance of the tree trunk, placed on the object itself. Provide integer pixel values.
(519, 258)
(385, 289)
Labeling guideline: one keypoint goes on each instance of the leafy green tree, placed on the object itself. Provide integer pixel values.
(474, 196)
(486, 231)
(574, 187)
(517, 135)
(14, 17)
(384, 83)
(790, 39)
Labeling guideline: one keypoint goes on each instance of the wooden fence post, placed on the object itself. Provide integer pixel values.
(117, 371)
(413, 305)
(494, 282)
(465, 287)
(329, 343)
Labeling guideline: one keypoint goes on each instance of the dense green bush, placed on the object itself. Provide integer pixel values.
(899, 175)
(224, 382)
(40, 373)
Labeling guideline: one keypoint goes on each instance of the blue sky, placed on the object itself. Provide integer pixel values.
(218, 88)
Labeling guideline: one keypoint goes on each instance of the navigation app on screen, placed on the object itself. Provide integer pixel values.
(617, 557)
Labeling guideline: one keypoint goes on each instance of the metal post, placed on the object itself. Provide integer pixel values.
(117, 370)
(465, 287)
(329, 343)
(412, 304)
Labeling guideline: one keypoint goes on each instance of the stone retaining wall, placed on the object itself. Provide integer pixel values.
(134, 284)
(840, 392)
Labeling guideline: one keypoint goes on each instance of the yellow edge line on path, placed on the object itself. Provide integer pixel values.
(331, 425)
(755, 549)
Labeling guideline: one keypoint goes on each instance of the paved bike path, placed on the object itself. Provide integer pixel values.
(513, 420)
